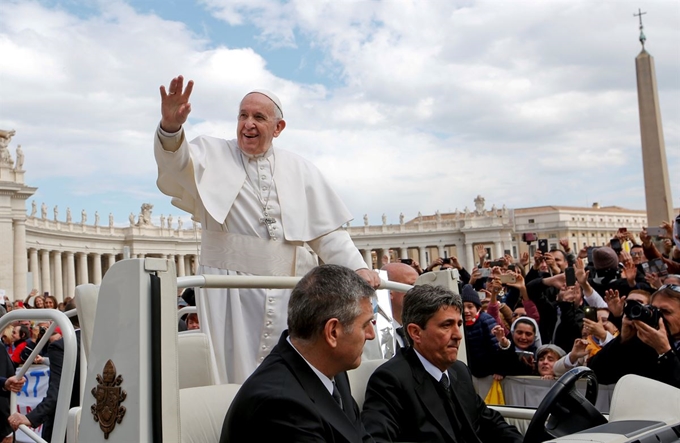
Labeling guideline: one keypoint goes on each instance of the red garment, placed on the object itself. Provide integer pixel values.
(16, 354)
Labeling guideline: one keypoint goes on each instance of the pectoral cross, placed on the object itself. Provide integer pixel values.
(267, 220)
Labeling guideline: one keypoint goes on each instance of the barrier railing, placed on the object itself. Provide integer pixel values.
(61, 320)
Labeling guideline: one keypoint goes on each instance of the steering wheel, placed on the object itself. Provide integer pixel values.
(568, 409)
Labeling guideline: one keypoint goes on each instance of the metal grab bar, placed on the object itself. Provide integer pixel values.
(69, 364)
(255, 281)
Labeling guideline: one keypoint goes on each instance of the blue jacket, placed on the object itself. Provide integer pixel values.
(482, 346)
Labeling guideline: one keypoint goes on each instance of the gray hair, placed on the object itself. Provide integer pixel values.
(422, 302)
(326, 292)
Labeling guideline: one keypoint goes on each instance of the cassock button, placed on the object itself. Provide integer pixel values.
(266, 335)
(271, 299)
(264, 188)
(270, 311)
(264, 347)
(269, 323)
(264, 177)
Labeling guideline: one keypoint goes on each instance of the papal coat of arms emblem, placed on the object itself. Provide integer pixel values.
(109, 395)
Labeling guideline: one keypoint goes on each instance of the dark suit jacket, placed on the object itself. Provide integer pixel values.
(44, 412)
(403, 403)
(617, 359)
(284, 401)
(6, 371)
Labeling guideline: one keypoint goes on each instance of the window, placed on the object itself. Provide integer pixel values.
(531, 221)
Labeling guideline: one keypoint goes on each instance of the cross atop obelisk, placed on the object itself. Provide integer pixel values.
(654, 164)
(642, 33)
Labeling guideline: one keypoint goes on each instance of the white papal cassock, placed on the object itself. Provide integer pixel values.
(227, 191)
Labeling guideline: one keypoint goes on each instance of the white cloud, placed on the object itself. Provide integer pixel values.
(438, 101)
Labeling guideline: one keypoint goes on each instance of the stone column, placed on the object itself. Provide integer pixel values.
(33, 267)
(440, 250)
(403, 252)
(45, 271)
(82, 276)
(368, 258)
(110, 261)
(498, 250)
(96, 268)
(194, 264)
(187, 265)
(20, 264)
(70, 275)
(180, 266)
(422, 257)
(58, 283)
(470, 259)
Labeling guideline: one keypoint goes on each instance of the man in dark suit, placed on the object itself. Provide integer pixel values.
(44, 413)
(423, 394)
(300, 392)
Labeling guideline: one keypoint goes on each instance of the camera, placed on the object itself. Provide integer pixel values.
(648, 314)
(446, 261)
(407, 261)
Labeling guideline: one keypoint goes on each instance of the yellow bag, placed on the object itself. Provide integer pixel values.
(495, 395)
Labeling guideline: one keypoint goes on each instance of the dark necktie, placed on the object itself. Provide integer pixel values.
(336, 396)
(463, 434)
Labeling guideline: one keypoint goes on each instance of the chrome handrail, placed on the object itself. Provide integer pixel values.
(69, 364)
(255, 281)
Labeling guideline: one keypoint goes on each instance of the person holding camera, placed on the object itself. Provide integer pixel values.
(649, 341)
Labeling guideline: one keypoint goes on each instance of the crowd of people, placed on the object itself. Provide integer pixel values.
(601, 307)
(19, 339)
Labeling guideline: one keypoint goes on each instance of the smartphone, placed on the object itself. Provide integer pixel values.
(446, 261)
(622, 230)
(645, 268)
(407, 261)
(660, 266)
(590, 313)
(590, 253)
(512, 268)
(615, 243)
(508, 278)
(498, 263)
(656, 232)
(485, 272)
(570, 274)
(527, 356)
(543, 245)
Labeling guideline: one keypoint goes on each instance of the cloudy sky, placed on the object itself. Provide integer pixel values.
(406, 106)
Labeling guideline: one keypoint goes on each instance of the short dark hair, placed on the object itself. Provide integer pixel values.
(564, 254)
(326, 292)
(423, 301)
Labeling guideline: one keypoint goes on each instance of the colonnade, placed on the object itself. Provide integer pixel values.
(426, 254)
(59, 272)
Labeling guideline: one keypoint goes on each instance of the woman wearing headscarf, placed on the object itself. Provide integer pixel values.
(517, 350)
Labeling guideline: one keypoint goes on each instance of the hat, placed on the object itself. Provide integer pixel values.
(270, 95)
(181, 302)
(470, 295)
(605, 258)
(549, 347)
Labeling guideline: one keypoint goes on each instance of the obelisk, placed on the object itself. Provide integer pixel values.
(654, 164)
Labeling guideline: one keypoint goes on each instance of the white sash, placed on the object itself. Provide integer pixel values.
(254, 255)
